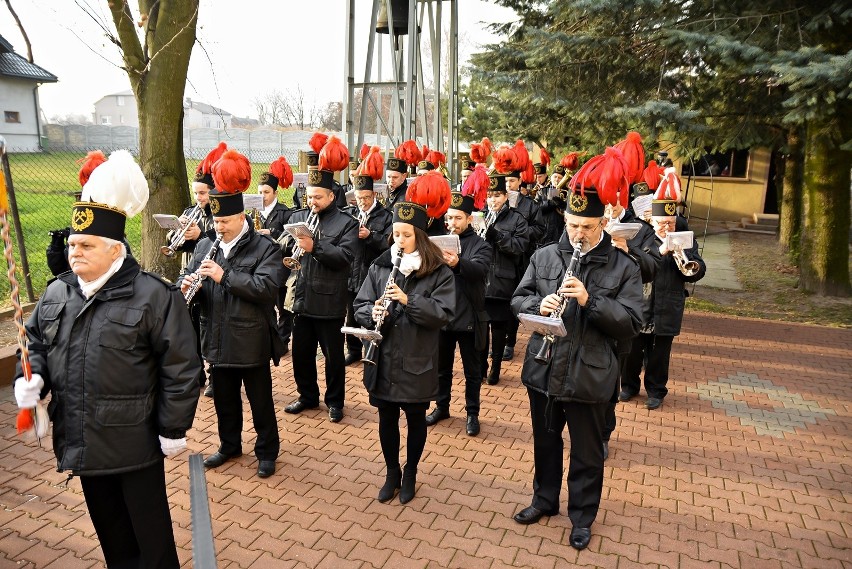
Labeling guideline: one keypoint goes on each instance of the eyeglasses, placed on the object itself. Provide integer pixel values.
(664, 222)
(584, 228)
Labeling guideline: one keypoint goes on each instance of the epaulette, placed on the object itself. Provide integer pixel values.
(161, 279)
(627, 254)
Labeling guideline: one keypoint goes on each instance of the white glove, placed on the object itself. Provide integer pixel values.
(172, 446)
(663, 249)
(27, 393)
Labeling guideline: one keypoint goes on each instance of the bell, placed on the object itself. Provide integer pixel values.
(400, 18)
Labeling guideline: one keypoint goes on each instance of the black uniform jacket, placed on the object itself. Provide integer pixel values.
(397, 195)
(527, 207)
(276, 219)
(644, 248)
(407, 370)
(379, 222)
(669, 293)
(551, 214)
(509, 237)
(238, 314)
(584, 364)
(470, 275)
(121, 369)
(188, 247)
(324, 277)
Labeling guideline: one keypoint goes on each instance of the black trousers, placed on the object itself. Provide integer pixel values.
(307, 333)
(585, 464)
(353, 345)
(609, 420)
(497, 330)
(130, 512)
(655, 353)
(470, 362)
(512, 332)
(389, 435)
(229, 409)
(195, 316)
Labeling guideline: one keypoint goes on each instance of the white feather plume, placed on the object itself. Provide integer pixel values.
(119, 183)
(669, 188)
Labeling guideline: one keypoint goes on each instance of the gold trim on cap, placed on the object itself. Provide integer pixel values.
(578, 202)
(82, 219)
(670, 208)
(314, 177)
(214, 206)
(405, 213)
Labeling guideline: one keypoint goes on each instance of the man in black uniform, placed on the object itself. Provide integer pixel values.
(396, 176)
(374, 227)
(468, 327)
(239, 287)
(321, 288)
(508, 235)
(109, 342)
(604, 307)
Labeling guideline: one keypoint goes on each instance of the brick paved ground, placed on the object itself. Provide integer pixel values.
(747, 464)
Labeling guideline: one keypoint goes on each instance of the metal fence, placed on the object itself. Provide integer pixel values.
(43, 185)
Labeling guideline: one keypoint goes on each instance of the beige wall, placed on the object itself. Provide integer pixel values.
(731, 199)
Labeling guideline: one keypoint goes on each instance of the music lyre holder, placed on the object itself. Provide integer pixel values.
(544, 325)
(371, 337)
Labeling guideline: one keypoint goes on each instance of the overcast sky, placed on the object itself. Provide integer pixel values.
(254, 46)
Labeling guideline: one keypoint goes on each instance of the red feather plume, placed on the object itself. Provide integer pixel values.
(522, 154)
(334, 156)
(365, 150)
(528, 173)
(634, 154)
(480, 152)
(409, 152)
(607, 173)
(570, 161)
(373, 164)
(653, 174)
(476, 185)
(92, 160)
(544, 157)
(505, 159)
(317, 141)
(424, 152)
(437, 159)
(431, 190)
(232, 172)
(206, 165)
(282, 170)
(669, 188)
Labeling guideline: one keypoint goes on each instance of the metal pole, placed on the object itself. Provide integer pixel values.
(436, 76)
(410, 126)
(453, 99)
(349, 91)
(203, 549)
(19, 233)
(368, 69)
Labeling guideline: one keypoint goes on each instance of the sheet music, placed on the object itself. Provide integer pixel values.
(167, 221)
(449, 242)
(623, 230)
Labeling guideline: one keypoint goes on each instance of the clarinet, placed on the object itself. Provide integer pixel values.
(544, 353)
(196, 284)
(370, 355)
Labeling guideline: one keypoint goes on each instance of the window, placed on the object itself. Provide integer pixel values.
(12, 116)
(105, 119)
(119, 101)
(731, 163)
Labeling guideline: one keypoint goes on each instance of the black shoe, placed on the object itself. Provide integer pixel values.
(352, 358)
(606, 449)
(438, 414)
(208, 391)
(580, 537)
(393, 480)
(408, 486)
(493, 379)
(653, 403)
(218, 459)
(508, 353)
(266, 468)
(472, 425)
(298, 406)
(335, 414)
(626, 395)
(531, 515)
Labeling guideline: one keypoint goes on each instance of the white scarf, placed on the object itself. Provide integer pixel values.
(410, 261)
(226, 247)
(267, 210)
(89, 289)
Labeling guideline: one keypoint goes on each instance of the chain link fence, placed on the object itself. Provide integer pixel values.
(44, 184)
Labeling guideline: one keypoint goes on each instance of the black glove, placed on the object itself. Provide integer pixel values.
(492, 235)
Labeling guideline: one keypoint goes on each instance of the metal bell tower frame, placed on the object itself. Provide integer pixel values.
(405, 80)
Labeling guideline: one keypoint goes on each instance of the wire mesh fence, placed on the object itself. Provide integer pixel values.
(44, 184)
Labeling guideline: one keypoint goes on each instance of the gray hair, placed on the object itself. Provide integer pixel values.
(110, 242)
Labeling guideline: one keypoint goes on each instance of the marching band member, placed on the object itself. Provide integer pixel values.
(509, 236)
(237, 286)
(666, 300)
(551, 205)
(273, 216)
(406, 154)
(374, 228)
(469, 325)
(466, 166)
(604, 306)
(109, 342)
(542, 182)
(438, 198)
(422, 301)
(321, 286)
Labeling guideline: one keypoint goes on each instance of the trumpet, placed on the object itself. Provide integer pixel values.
(362, 218)
(292, 262)
(370, 351)
(196, 284)
(684, 265)
(258, 223)
(489, 221)
(544, 353)
(179, 235)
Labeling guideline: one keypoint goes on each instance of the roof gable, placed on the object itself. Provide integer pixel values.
(13, 65)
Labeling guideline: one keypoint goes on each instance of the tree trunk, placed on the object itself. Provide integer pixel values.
(791, 198)
(825, 233)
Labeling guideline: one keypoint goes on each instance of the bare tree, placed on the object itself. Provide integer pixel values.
(23, 31)
(332, 117)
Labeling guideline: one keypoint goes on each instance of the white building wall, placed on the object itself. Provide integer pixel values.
(16, 96)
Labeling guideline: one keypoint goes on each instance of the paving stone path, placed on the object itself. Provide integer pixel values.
(747, 464)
